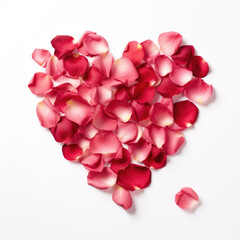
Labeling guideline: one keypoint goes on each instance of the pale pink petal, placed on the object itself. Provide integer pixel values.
(103, 95)
(122, 197)
(111, 82)
(40, 83)
(186, 198)
(157, 135)
(199, 67)
(180, 75)
(150, 50)
(102, 180)
(88, 93)
(169, 42)
(71, 152)
(105, 143)
(198, 91)
(89, 131)
(41, 56)
(163, 65)
(134, 52)
(75, 82)
(127, 132)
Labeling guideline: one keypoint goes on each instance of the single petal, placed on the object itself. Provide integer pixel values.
(63, 44)
(134, 177)
(147, 74)
(143, 92)
(163, 65)
(127, 132)
(185, 113)
(174, 140)
(140, 150)
(120, 109)
(199, 67)
(76, 65)
(161, 115)
(122, 93)
(64, 130)
(47, 114)
(55, 67)
(156, 159)
(105, 143)
(141, 111)
(71, 152)
(122, 197)
(124, 70)
(150, 50)
(41, 56)
(93, 77)
(134, 52)
(168, 89)
(103, 120)
(157, 135)
(121, 160)
(184, 55)
(40, 83)
(169, 42)
(88, 93)
(186, 198)
(198, 91)
(92, 162)
(102, 180)
(103, 95)
(180, 75)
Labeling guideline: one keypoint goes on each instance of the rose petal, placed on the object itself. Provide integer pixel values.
(185, 113)
(127, 132)
(121, 160)
(163, 65)
(105, 143)
(41, 56)
(169, 42)
(144, 92)
(134, 52)
(92, 162)
(198, 91)
(184, 55)
(141, 111)
(75, 82)
(102, 180)
(174, 140)
(147, 74)
(122, 93)
(47, 114)
(88, 93)
(134, 177)
(199, 67)
(150, 50)
(122, 197)
(93, 77)
(103, 95)
(71, 152)
(186, 198)
(55, 67)
(157, 135)
(180, 75)
(124, 70)
(156, 159)
(40, 83)
(140, 150)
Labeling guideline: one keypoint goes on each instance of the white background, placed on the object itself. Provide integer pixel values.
(44, 197)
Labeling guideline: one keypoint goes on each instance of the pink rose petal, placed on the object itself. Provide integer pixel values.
(186, 198)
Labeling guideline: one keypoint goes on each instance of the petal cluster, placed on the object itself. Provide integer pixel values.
(120, 118)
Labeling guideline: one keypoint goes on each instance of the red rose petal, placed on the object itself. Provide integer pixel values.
(71, 152)
(184, 55)
(134, 177)
(40, 83)
(41, 56)
(143, 92)
(147, 74)
(121, 160)
(134, 52)
(163, 65)
(169, 42)
(93, 77)
(198, 91)
(199, 67)
(156, 159)
(102, 180)
(122, 93)
(185, 113)
(180, 75)
(105, 143)
(150, 50)
(186, 198)
(122, 197)
(141, 110)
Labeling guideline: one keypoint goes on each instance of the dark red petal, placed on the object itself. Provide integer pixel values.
(185, 113)
(147, 74)
(121, 160)
(134, 177)
(144, 92)
(184, 55)
(163, 65)
(102, 180)
(140, 150)
(63, 45)
(103, 120)
(199, 67)
(76, 65)
(127, 132)
(186, 198)
(169, 42)
(150, 50)
(93, 77)
(122, 93)
(122, 197)
(55, 67)
(124, 70)
(105, 143)
(47, 114)
(168, 89)
(161, 115)
(64, 130)
(41, 56)
(134, 52)
(174, 140)
(71, 152)
(180, 75)
(156, 159)
(40, 83)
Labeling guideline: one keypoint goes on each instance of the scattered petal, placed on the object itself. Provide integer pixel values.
(186, 198)
(184, 55)
(41, 56)
(199, 67)
(71, 152)
(163, 65)
(150, 50)
(122, 197)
